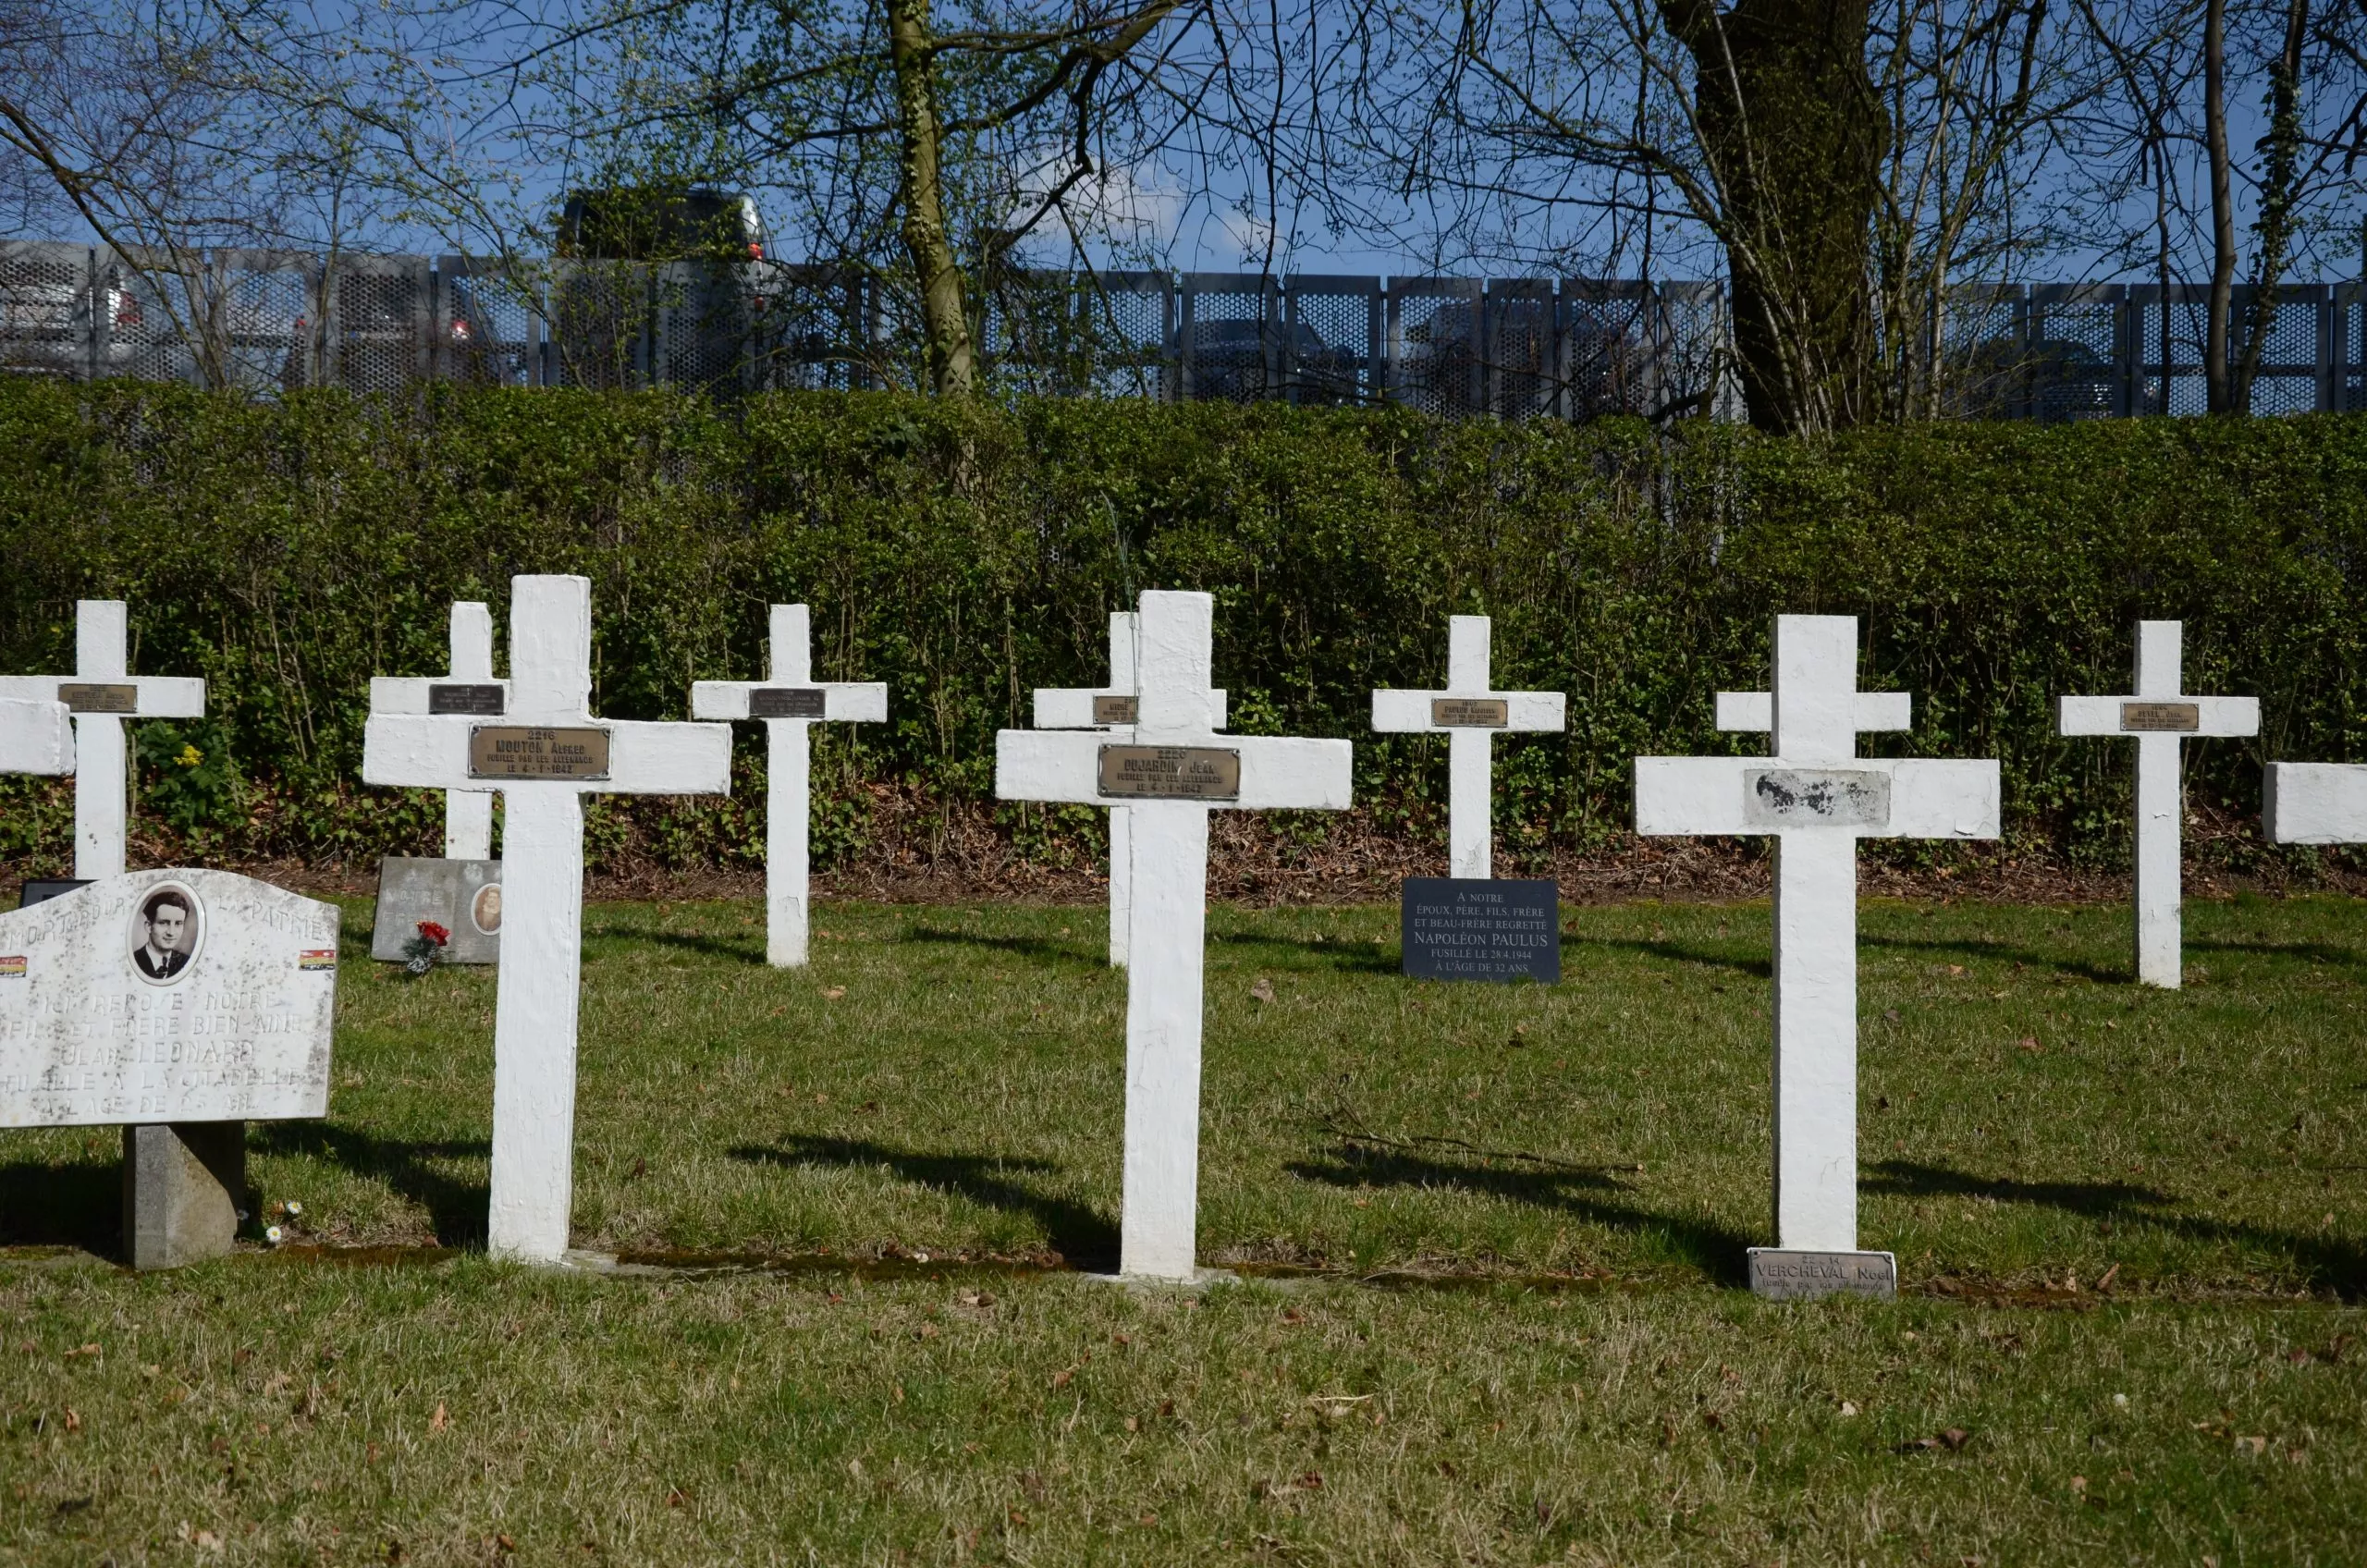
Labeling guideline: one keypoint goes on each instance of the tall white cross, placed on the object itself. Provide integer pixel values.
(102, 695)
(1105, 707)
(469, 689)
(36, 738)
(790, 702)
(1817, 796)
(545, 754)
(1470, 714)
(1170, 770)
(2159, 716)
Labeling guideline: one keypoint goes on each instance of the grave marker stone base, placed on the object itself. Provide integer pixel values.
(1786, 1274)
(462, 896)
(1480, 929)
(184, 1183)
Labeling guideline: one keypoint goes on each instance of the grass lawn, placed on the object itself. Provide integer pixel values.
(1493, 1238)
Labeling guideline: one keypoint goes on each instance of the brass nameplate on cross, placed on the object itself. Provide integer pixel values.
(482, 698)
(96, 696)
(1469, 713)
(1114, 710)
(2182, 718)
(1170, 773)
(528, 752)
(786, 702)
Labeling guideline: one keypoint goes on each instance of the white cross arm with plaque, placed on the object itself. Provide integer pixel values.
(36, 738)
(846, 702)
(610, 756)
(1244, 772)
(1395, 712)
(2143, 716)
(116, 696)
(1075, 707)
(1872, 797)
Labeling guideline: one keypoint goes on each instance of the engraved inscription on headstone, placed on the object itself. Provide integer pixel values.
(528, 752)
(462, 896)
(1114, 710)
(1816, 797)
(1470, 713)
(786, 702)
(1472, 928)
(1784, 1275)
(480, 698)
(168, 995)
(94, 697)
(1170, 773)
(2153, 718)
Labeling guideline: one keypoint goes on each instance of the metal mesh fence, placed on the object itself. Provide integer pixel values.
(45, 310)
(487, 326)
(1434, 344)
(1332, 335)
(1229, 337)
(379, 308)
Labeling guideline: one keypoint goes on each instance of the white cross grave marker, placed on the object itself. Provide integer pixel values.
(1170, 770)
(36, 738)
(1818, 798)
(469, 689)
(1469, 713)
(790, 704)
(1088, 707)
(545, 754)
(2159, 716)
(2315, 803)
(102, 695)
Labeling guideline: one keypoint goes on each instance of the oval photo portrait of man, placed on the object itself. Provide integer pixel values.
(484, 909)
(167, 931)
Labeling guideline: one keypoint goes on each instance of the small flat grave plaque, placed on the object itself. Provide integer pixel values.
(1469, 713)
(166, 996)
(1170, 773)
(2177, 718)
(462, 896)
(1114, 710)
(1782, 1275)
(94, 696)
(1816, 797)
(469, 697)
(1481, 928)
(786, 702)
(39, 890)
(530, 753)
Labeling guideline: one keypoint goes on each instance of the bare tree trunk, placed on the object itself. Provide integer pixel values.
(2218, 391)
(953, 365)
(2280, 179)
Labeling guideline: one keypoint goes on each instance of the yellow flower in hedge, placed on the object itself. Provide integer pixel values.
(190, 757)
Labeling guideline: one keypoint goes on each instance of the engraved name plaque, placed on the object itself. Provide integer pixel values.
(473, 698)
(94, 696)
(1469, 713)
(786, 702)
(1170, 773)
(1779, 1274)
(2177, 718)
(500, 751)
(1495, 928)
(1114, 710)
(1816, 797)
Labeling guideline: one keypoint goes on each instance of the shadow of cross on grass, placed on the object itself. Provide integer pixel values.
(2334, 1263)
(456, 1206)
(77, 1205)
(1083, 1237)
(1714, 1249)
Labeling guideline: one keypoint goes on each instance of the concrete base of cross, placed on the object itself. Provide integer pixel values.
(1789, 1274)
(1201, 1280)
(184, 1184)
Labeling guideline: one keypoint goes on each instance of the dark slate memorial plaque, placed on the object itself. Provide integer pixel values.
(786, 702)
(482, 699)
(39, 890)
(1779, 1274)
(1457, 928)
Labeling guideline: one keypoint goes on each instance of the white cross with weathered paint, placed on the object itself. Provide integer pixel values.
(1817, 796)
(1171, 772)
(102, 695)
(36, 738)
(789, 702)
(470, 690)
(1111, 708)
(544, 754)
(2159, 716)
(1469, 715)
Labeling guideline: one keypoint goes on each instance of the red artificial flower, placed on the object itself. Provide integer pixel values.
(437, 934)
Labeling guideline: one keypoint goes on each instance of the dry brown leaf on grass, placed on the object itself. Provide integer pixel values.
(1263, 990)
(1952, 1439)
(834, 993)
(441, 1419)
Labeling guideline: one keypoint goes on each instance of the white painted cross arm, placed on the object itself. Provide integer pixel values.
(852, 702)
(1232, 772)
(1754, 712)
(2315, 803)
(1085, 707)
(122, 696)
(598, 756)
(1873, 797)
(36, 738)
(1399, 712)
(2154, 716)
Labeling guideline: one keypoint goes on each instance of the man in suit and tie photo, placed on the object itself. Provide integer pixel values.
(167, 924)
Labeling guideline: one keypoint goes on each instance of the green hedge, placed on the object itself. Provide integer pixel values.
(965, 554)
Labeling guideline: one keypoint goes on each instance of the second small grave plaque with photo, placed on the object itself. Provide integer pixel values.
(462, 896)
(1473, 928)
